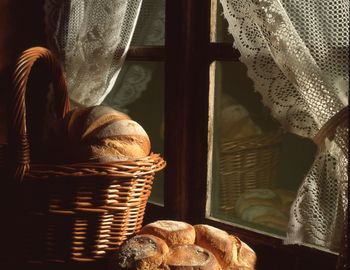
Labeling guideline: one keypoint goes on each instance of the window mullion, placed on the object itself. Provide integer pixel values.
(178, 43)
(146, 53)
(199, 107)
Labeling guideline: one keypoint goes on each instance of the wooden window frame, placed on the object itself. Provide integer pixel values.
(188, 53)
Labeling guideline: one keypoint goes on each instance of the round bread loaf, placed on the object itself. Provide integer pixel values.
(217, 241)
(191, 257)
(260, 197)
(81, 122)
(100, 133)
(119, 140)
(99, 116)
(230, 251)
(243, 257)
(141, 252)
(173, 232)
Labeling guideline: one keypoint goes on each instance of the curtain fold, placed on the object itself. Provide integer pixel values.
(296, 52)
(134, 78)
(92, 39)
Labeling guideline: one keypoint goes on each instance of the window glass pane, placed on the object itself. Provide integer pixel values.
(219, 25)
(139, 91)
(149, 29)
(256, 169)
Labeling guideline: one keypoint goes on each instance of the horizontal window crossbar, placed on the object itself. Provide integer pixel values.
(215, 52)
(146, 53)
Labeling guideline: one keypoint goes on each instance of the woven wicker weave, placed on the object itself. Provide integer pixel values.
(73, 212)
(247, 164)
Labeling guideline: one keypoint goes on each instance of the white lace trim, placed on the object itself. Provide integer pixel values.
(281, 65)
(134, 78)
(328, 205)
(92, 38)
(296, 53)
(132, 82)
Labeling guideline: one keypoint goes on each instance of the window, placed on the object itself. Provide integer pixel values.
(196, 61)
(139, 89)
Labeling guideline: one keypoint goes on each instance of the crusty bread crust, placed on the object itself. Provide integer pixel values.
(243, 257)
(214, 249)
(142, 252)
(121, 127)
(190, 257)
(173, 232)
(100, 116)
(217, 241)
(229, 250)
(102, 134)
(119, 148)
(75, 120)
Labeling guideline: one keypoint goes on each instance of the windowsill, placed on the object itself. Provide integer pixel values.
(270, 235)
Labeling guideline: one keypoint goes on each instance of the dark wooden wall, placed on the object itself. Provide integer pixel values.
(21, 27)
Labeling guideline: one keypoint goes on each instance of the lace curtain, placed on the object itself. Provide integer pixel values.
(296, 53)
(133, 78)
(92, 38)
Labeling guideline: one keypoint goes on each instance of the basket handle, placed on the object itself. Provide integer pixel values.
(329, 128)
(17, 115)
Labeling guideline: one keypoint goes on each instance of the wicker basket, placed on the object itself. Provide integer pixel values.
(247, 164)
(72, 212)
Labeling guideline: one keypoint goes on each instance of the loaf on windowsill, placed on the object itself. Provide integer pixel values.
(141, 252)
(171, 231)
(190, 257)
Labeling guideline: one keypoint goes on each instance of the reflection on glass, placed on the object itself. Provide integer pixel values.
(219, 25)
(139, 92)
(256, 167)
(149, 29)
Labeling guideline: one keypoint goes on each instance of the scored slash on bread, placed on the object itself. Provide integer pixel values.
(83, 121)
(102, 134)
(119, 148)
(217, 241)
(208, 249)
(171, 231)
(122, 127)
(191, 257)
(229, 250)
(101, 116)
(243, 256)
(75, 123)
